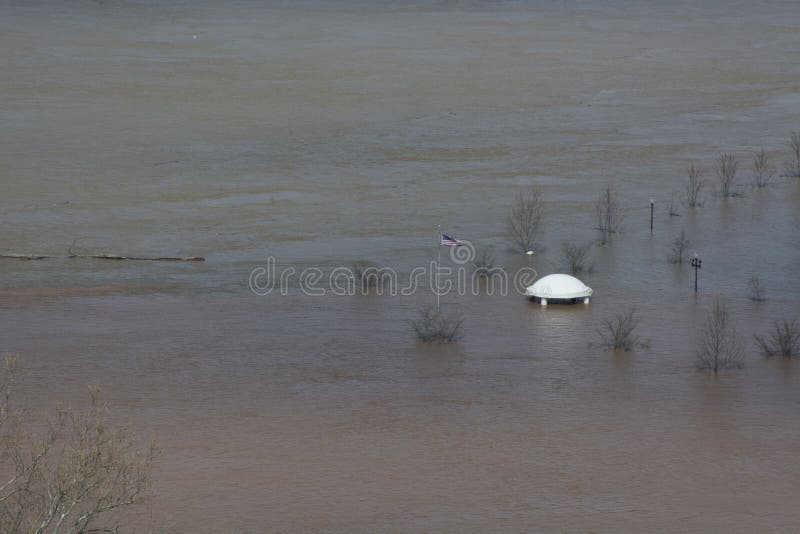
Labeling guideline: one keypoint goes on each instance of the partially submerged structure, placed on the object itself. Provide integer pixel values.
(559, 289)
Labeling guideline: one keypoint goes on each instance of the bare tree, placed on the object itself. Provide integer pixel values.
(679, 247)
(672, 209)
(609, 213)
(784, 340)
(577, 257)
(694, 185)
(793, 164)
(757, 293)
(434, 326)
(726, 173)
(526, 218)
(763, 172)
(75, 477)
(484, 262)
(720, 347)
(617, 333)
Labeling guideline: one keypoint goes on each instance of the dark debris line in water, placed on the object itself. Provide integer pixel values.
(102, 256)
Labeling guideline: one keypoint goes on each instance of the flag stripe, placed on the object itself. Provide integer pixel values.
(448, 241)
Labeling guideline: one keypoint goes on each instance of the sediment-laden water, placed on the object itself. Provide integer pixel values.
(325, 133)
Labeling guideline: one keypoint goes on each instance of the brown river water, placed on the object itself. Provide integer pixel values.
(320, 133)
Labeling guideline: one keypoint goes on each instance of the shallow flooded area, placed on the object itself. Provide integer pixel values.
(324, 133)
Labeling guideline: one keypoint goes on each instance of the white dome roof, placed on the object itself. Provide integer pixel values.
(558, 286)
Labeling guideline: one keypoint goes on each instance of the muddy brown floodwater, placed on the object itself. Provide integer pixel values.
(326, 132)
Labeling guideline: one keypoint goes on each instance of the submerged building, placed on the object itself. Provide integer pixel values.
(559, 289)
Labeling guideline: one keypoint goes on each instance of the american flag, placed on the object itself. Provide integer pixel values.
(448, 241)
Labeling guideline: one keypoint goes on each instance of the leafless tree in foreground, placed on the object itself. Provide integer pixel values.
(484, 262)
(793, 164)
(77, 476)
(526, 219)
(679, 247)
(726, 173)
(763, 172)
(577, 257)
(609, 213)
(783, 340)
(617, 333)
(694, 185)
(720, 348)
(433, 326)
(757, 293)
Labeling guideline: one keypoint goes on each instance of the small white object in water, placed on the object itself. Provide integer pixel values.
(194, 36)
(529, 253)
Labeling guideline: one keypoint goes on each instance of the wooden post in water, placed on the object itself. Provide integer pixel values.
(438, 261)
(696, 263)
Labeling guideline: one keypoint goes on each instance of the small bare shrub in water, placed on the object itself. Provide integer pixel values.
(793, 163)
(694, 185)
(76, 476)
(726, 173)
(720, 348)
(617, 333)
(783, 340)
(757, 293)
(362, 281)
(672, 208)
(433, 326)
(763, 172)
(679, 247)
(577, 257)
(609, 213)
(484, 262)
(526, 219)
(366, 276)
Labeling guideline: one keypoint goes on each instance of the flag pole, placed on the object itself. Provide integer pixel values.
(438, 261)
